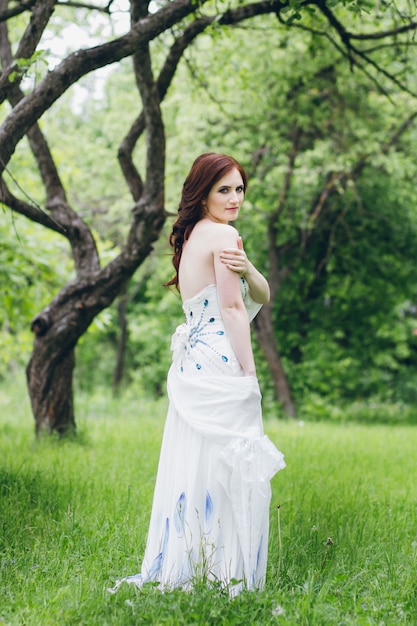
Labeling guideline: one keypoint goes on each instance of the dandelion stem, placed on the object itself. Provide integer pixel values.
(329, 543)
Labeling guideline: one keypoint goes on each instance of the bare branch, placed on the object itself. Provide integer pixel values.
(6, 14)
(39, 18)
(384, 72)
(384, 34)
(399, 132)
(332, 239)
(398, 45)
(125, 156)
(155, 136)
(338, 180)
(31, 211)
(333, 179)
(85, 5)
(351, 50)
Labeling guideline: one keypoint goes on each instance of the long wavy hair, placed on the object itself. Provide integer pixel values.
(206, 170)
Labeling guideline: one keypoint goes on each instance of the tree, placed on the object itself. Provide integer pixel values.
(59, 326)
(310, 137)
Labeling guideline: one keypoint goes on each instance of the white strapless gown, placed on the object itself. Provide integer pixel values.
(210, 512)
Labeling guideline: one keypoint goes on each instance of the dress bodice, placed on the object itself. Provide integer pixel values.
(200, 345)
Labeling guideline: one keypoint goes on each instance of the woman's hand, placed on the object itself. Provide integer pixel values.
(235, 258)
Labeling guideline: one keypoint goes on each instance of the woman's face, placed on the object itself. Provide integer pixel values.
(225, 198)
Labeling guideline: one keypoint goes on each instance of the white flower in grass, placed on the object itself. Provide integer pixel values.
(278, 610)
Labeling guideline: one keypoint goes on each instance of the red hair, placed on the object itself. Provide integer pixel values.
(206, 170)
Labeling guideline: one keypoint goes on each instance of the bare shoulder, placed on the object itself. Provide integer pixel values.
(219, 235)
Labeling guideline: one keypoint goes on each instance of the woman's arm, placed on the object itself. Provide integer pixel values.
(231, 304)
(236, 260)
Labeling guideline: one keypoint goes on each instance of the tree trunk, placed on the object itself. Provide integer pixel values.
(57, 330)
(50, 389)
(265, 335)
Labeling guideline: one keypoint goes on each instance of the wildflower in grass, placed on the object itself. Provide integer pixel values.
(328, 543)
(278, 610)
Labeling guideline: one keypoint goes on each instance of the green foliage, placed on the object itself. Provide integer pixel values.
(30, 65)
(25, 255)
(348, 329)
(345, 316)
(74, 517)
(150, 333)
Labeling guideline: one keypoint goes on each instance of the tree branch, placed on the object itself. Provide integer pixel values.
(351, 50)
(79, 63)
(40, 16)
(84, 61)
(338, 180)
(85, 5)
(385, 73)
(399, 132)
(6, 14)
(384, 34)
(63, 219)
(165, 78)
(31, 211)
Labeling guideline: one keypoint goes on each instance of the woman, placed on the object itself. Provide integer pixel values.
(210, 511)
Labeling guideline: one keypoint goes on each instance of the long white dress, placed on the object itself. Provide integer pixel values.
(210, 512)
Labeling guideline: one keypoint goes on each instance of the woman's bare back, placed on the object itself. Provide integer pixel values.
(197, 260)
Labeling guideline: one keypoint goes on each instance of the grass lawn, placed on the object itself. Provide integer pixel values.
(74, 515)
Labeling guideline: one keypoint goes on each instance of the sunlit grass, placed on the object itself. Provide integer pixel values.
(74, 517)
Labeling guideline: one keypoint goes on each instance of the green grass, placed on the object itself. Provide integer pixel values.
(74, 515)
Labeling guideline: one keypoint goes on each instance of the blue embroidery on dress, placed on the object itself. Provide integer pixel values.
(208, 517)
(179, 514)
(258, 556)
(158, 560)
(200, 334)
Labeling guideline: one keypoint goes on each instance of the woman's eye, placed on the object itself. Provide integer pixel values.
(239, 189)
